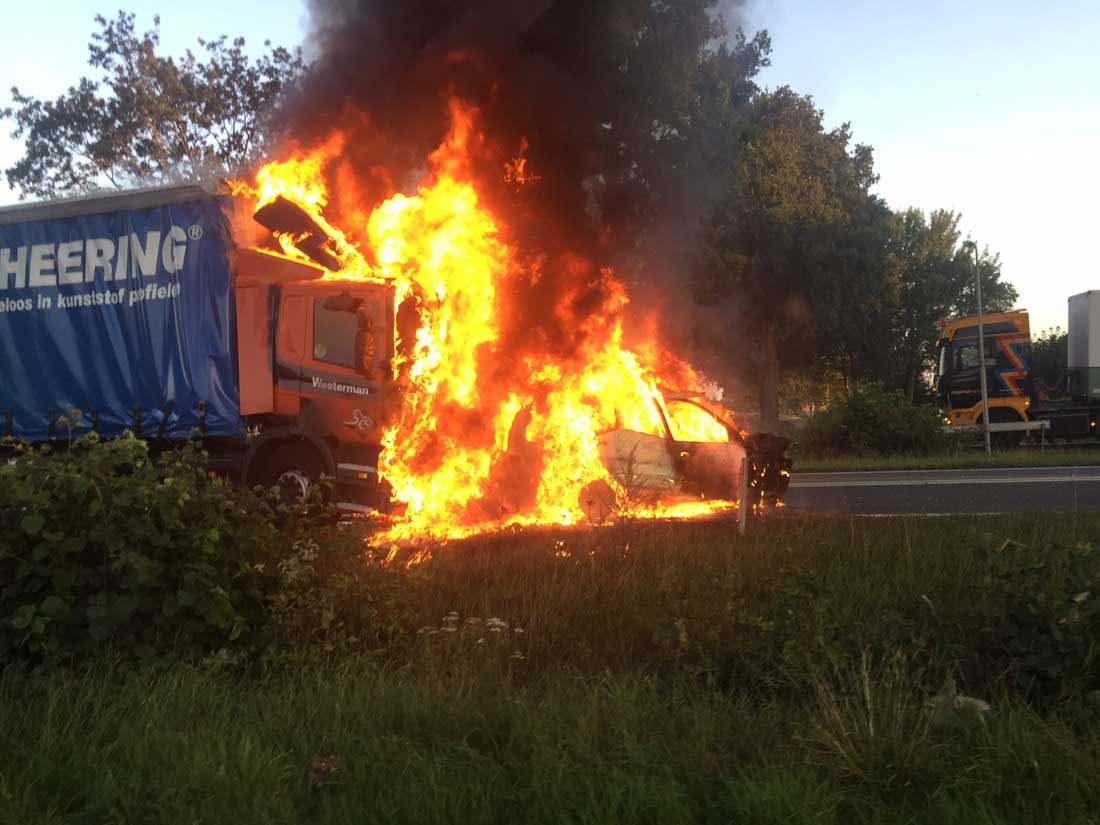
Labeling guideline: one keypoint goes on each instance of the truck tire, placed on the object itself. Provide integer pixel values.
(292, 466)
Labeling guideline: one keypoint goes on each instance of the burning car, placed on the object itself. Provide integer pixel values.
(692, 467)
(699, 458)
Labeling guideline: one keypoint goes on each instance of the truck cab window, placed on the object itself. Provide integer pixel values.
(334, 333)
(966, 355)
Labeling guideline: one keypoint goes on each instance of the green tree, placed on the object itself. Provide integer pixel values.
(1049, 359)
(149, 118)
(997, 295)
(671, 90)
(798, 247)
(858, 273)
(926, 248)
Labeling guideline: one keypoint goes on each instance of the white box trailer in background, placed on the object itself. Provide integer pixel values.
(1083, 361)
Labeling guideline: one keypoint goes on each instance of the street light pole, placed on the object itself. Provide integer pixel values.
(981, 344)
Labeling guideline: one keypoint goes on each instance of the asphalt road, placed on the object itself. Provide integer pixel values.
(947, 491)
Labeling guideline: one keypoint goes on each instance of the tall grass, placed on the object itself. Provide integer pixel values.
(643, 673)
(357, 743)
(870, 721)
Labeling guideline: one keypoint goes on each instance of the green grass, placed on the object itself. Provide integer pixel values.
(664, 673)
(959, 460)
(354, 743)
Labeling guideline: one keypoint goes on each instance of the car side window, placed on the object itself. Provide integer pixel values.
(689, 422)
(333, 335)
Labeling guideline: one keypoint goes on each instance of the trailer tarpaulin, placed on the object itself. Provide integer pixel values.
(125, 316)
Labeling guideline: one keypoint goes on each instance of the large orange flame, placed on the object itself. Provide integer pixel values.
(465, 453)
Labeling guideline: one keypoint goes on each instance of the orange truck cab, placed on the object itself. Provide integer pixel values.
(315, 375)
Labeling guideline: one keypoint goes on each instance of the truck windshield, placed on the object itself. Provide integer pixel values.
(965, 355)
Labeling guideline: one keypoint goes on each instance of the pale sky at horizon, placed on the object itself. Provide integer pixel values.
(988, 108)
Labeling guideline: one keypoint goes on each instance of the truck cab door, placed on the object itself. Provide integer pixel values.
(290, 343)
(962, 383)
(346, 380)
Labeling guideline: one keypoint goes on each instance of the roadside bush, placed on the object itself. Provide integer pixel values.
(1049, 630)
(873, 421)
(105, 546)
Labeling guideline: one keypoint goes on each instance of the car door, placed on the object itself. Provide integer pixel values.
(708, 456)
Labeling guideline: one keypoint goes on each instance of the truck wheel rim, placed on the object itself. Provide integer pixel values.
(294, 484)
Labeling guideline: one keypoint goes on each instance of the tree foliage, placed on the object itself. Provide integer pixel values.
(677, 106)
(665, 90)
(796, 246)
(817, 272)
(149, 118)
(678, 97)
(1049, 360)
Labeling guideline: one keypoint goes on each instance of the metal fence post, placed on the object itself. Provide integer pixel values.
(981, 341)
(743, 497)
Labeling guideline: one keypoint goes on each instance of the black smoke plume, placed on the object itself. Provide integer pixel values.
(606, 94)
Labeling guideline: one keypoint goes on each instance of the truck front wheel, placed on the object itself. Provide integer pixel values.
(293, 467)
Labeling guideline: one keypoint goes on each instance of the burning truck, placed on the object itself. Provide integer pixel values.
(429, 366)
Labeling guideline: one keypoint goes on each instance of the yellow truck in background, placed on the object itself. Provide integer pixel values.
(1014, 394)
(958, 385)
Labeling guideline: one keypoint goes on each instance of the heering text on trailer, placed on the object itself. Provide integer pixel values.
(85, 260)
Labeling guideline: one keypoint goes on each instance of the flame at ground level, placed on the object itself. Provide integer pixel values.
(518, 362)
